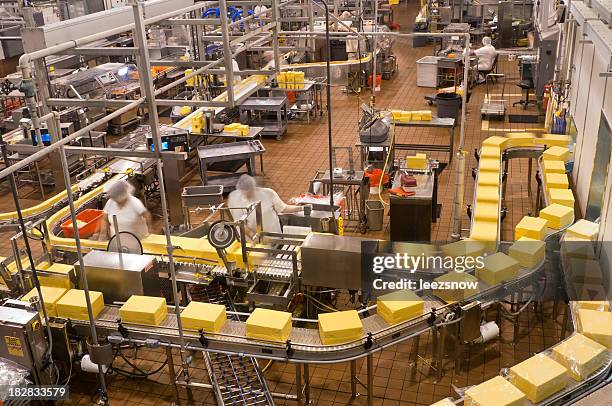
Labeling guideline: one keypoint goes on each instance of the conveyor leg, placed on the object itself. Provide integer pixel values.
(415, 357)
(565, 321)
(354, 379)
(506, 165)
(370, 367)
(306, 384)
(440, 356)
(172, 373)
(529, 170)
(298, 384)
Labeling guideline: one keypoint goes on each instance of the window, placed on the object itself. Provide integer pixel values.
(600, 171)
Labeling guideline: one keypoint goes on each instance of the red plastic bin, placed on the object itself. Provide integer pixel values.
(91, 218)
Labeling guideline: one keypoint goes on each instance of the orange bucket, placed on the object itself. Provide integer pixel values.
(88, 223)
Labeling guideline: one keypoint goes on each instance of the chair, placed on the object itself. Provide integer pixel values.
(525, 85)
(493, 69)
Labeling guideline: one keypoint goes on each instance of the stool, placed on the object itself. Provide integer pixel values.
(526, 85)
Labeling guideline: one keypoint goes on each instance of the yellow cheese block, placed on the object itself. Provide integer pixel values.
(60, 277)
(584, 229)
(532, 227)
(553, 140)
(577, 247)
(600, 305)
(556, 181)
(144, 310)
(486, 233)
(271, 325)
(581, 355)
(486, 211)
(520, 140)
(50, 297)
(416, 115)
(444, 402)
(418, 161)
(490, 151)
(553, 166)
(498, 268)
(558, 216)
(564, 197)
(558, 153)
(396, 114)
(449, 281)
(596, 325)
(539, 377)
(463, 248)
(426, 115)
(487, 193)
(494, 392)
(204, 316)
(489, 165)
(73, 305)
(340, 327)
(528, 252)
(399, 306)
(496, 141)
(488, 179)
(414, 250)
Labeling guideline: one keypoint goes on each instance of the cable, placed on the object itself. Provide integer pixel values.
(325, 306)
(385, 165)
(264, 369)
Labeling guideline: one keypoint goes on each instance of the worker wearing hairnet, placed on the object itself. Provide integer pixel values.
(246, 193)
(132, 215)
(486, 55)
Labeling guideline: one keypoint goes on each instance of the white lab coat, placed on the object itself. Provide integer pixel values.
(129, 217)
(486, 56)
(271, 206)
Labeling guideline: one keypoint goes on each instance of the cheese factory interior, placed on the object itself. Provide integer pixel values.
(328, 202)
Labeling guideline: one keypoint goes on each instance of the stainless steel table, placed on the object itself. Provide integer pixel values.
(312, 98)
(269, 112)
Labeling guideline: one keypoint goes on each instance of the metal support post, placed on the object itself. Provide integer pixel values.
(275, 20)
(370, 367)
(227, 53)
(298, 384)
(306, 384)
(354, 379)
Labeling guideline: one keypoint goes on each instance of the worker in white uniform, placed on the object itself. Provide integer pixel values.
(247, 192)
(486, 56)
(132, 215)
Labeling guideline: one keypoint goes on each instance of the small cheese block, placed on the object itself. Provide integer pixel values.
(487, 193)
(558, 216)
(532, 227)
(73, 305)
(553, 166)
(340, 327)
(584, 270)
(60, 277)
(144, 310)
(426, 115)
(204, 316)
(413, 250)
(553, 140)
(556, 181)
(539, 377)
(399, 306)
(498, 268)
(528, 252)
(600, 305)
(558, 153)
(580, 355)
(416, 115)
(520, 139)
(494, 392)
(444, 402)
(50, 297)
(564, 197)
(418, 161)
(271, 325)
(463, 248)
(396, 114)
(455, 295)
(406, 116)
(490, 151)
(486, 211)
(488, 179)
(489, 165)
(486, 233)
(584, 229)
(496, 141)
(596, 325)
(577, 247)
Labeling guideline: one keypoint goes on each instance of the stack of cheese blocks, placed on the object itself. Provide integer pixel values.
(418, 161)
(557, 183)
(239, 129)
(404, 116)
(269, 325)
(291, 80)
(145, 310)
(72, 305)
(50, 297)
(340, 327)
(399, 306)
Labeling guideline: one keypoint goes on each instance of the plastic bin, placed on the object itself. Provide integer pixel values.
(375, 211)
(427, 71)
(91, 219)
(448, 105)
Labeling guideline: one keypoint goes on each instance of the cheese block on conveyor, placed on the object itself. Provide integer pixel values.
(490, 151)
(529, 252)
(539, 377)
(486, 211)
(60, 278)
(488, 179)
(498, 268)
(494, 392)
(204, 316)
(399, 306)
(487, 193)
(558, 153)
(444, 402)
(271, 325)
(340, 327)
(553, 140)
(486, 233)
(553, 166)
(144, 310)
(600, 305)
(558, 216)
(496, 141)
(564, 197)
(580, 355)
(556, 181)
(520, 140)
(418, 161)
(489, 165)
(584, 229)
(597, 325)
(463, 248)
(577, 247)
(73, 305)
(455, 295)
(50, 297)
(532, 227)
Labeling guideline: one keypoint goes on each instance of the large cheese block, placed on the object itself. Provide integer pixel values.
(463, 248)
(50, 297)
(444, 402)
(600, 305)
(584, 229)
(486, 211)
(558, 153)
(489, 165)
(487, 193)
(553, 166)
(144, 310)
(532, 227)
(498, 268)
(488, 178)
(539, 377)
(204, 316)
(340, 327)
(564, 197)
(486, 233)
(556, 181)
(418, 161)
(596, 325)
(553, 140)
(451, 280)
(520, 139)
(490, 151)
(495, 141)
(73, 304)
(494, 392)
(529, 252)
(399, 306)
(580, 355)
(558, 216)
(57, 275)
(271, 325)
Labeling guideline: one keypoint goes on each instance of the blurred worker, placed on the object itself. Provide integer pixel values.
(486, 55)
(132, 215)
(247, 192)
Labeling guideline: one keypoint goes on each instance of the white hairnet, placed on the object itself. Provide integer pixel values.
(246, 183)
(486, 41)
(119, 189)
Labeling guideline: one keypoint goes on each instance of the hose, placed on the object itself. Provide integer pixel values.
(385, 165)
